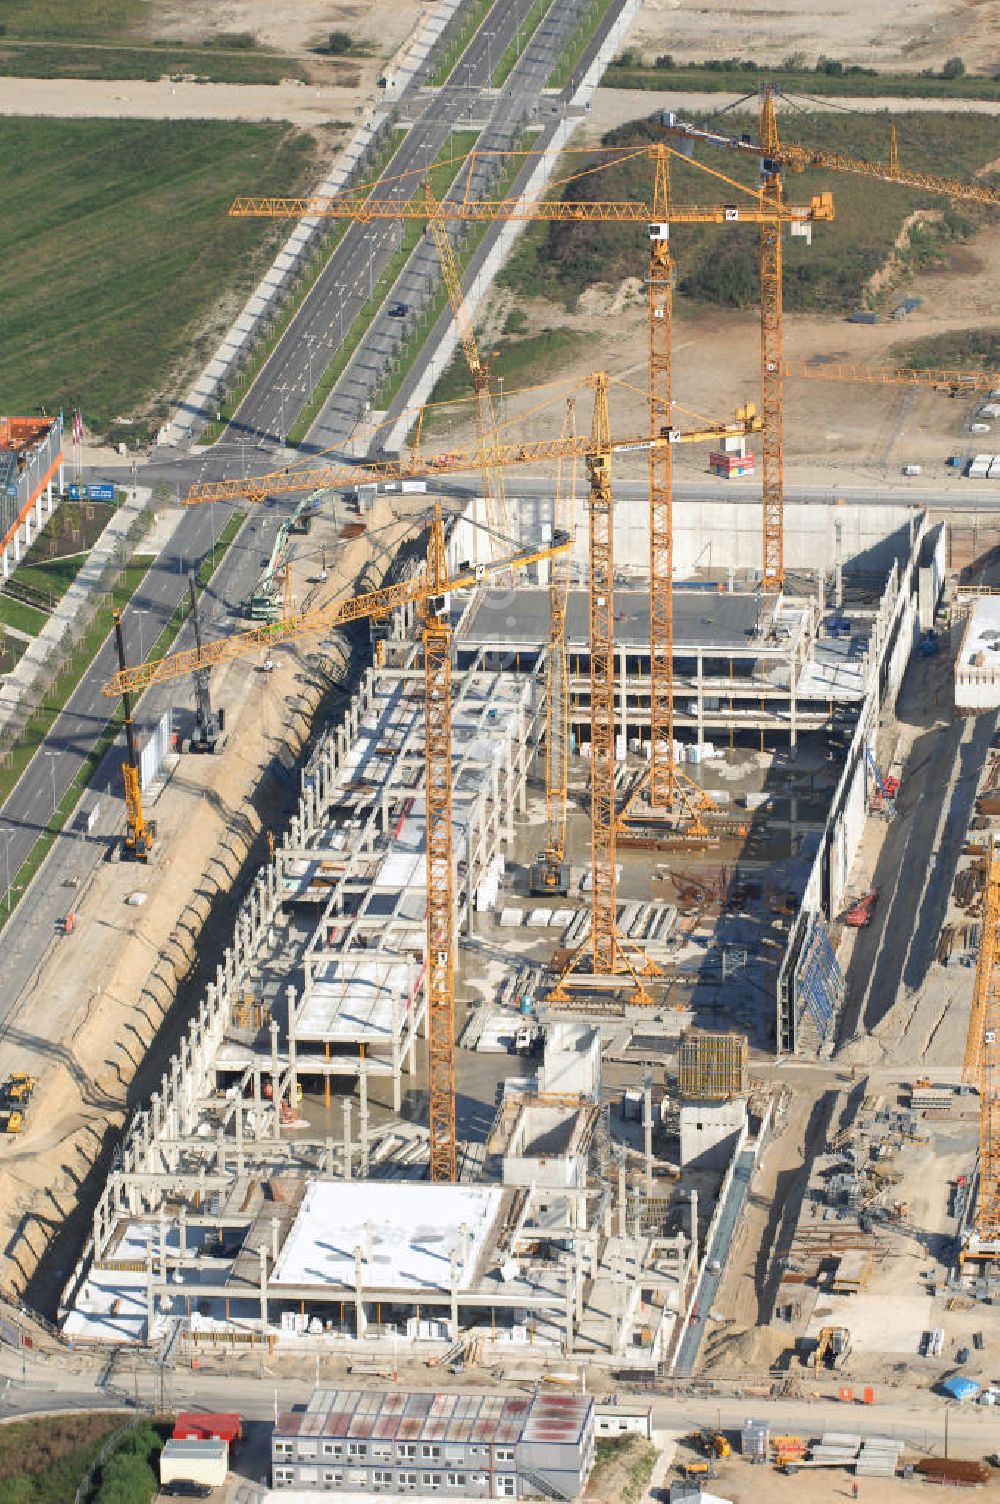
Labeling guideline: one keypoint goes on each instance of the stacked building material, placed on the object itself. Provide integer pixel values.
(837, 1447)
(879, 1457)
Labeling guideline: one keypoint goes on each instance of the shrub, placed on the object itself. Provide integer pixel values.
(339, 42)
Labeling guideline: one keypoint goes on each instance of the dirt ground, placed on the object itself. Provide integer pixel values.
(297, 26)
(835, 432)
(75, 98)
(763, 1485)
(893, 34)
(86, 1023)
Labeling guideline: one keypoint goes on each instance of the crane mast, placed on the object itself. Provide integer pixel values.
(982, 1068)
(439, 864)
(662, 782)
(772, 395)
(606, 955)
(550, 873)
(139, 833)
(494, 495)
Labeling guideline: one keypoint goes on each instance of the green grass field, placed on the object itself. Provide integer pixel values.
(116, 39)
(21, 617)
(118, 265)
(961, 349)
(214, 65)
(864, 85)
(54, 577)
(719, 265)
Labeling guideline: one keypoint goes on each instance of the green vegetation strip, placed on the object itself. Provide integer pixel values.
(22, 618)
(720, 266)
(528, 26)
(251, 370)
(130, 1474)
(477, 13)
(103, 316)
(961, 349)
(735, 76)
(577, 44)
(43, 1461)
(442, 174)
(40, 724)
(19, 59)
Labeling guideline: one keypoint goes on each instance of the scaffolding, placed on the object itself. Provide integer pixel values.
(819, 981)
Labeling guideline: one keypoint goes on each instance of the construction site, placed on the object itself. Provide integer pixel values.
(594, 1005)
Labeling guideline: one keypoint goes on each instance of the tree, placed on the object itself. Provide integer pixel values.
(953, 68)
(339, 42)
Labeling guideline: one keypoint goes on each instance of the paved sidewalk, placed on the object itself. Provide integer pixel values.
(72, 609)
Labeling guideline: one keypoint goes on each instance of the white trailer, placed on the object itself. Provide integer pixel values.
(195, 1462)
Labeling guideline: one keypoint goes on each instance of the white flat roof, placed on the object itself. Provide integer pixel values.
(982, 635)
(413, 1230)
(351, 997)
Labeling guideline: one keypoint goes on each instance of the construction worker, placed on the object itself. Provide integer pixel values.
(855, 1490)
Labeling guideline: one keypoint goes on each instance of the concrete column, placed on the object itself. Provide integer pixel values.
(700, 677)
(293, 1074)
(838, 565)
(622, 1200)
(568, 1274)
(694, 1221)
(275, 1082)
(359, 1307)
(470, 886)
(275, 1239)
(150, 1297)
(238, 1118)
(363, 1119)
(347, 1139)
(263, 1287)
(647, 1128)
(454, 1295)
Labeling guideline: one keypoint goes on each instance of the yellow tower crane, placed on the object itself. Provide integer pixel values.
(775, 155)
(768, 209)
(596, 450)
(955, 383)
(139, 832)
(494, 495)
(429, 591)
(982, 1068)
(549, 874)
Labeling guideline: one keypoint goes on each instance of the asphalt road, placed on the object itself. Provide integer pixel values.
(257, 429)
(30, 1382)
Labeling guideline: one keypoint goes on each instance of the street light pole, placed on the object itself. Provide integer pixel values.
(6, 851)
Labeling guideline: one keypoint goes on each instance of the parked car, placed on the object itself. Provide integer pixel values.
(398, 310)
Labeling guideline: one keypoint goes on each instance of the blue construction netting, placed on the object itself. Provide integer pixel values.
(819, 981)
